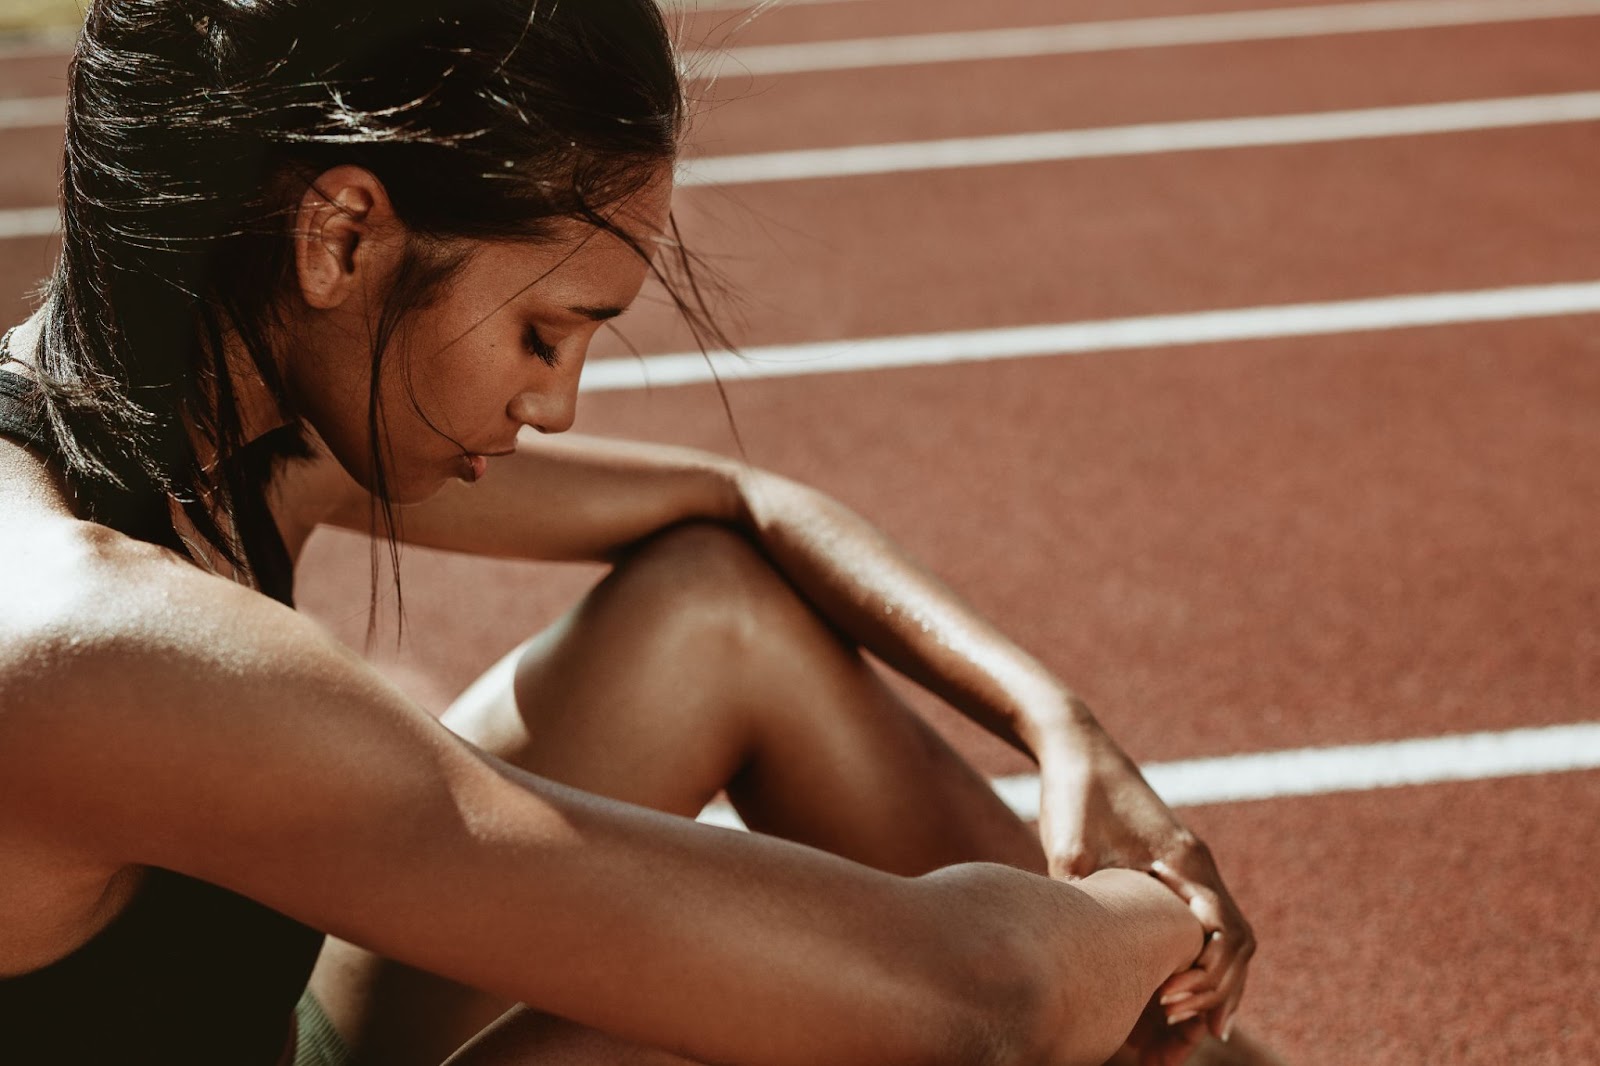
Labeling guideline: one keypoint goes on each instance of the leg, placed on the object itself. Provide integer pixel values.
(693, 667)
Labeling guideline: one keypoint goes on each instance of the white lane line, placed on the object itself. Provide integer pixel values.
(1105, 335)
(29, 222)
(1076, 38)
(1321, 771)
(1144, 139)
(32, 112)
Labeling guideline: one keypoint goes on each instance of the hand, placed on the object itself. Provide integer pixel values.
(1097, 811)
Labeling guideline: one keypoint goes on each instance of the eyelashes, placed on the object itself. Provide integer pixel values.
(538, 347)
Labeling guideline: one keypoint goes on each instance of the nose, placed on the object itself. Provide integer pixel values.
(547, 410)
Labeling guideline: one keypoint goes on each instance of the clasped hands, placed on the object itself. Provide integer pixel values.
(1098, 812)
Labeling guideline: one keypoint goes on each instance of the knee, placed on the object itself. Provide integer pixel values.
(710, 578)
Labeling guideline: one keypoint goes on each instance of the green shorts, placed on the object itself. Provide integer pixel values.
(317, 1044)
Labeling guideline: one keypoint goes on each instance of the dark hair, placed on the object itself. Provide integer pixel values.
(192, 128)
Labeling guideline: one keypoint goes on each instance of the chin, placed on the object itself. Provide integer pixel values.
(407, 487)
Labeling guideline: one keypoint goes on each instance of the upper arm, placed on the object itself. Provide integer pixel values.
(223, 737)
(200, 727)
(568, 498)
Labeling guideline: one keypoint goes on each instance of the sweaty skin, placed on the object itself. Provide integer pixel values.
(245, 747)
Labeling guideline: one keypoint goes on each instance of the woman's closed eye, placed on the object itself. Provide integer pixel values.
(537, 346)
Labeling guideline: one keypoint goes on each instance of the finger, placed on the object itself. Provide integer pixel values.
(1210, 904)
(1200, 988)
(1204, 970)
(1205, 903)
(1224, 926)
(1231, 988)
(1225, 961)
(1190, 999)
(1183, 985)
(1219, 1002)
(1219, 1020)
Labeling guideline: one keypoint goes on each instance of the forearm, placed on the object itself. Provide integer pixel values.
(727, 947)
(748, 949)
(568, 498)
(589, 498)
(870, 590)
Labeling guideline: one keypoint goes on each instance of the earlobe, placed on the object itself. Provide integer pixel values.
(337, 219)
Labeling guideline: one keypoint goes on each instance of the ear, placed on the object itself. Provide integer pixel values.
(347, 238)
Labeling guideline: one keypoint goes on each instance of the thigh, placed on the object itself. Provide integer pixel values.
(619, 697)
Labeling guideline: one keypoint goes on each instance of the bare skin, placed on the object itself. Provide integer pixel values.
(808, 741)
(455, 862)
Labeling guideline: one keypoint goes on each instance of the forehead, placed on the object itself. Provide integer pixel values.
(642, 220)
(580, 263)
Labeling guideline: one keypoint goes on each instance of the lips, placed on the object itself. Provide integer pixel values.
(473, 465)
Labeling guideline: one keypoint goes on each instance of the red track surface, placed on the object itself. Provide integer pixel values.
(745, 114)
(1228, 548)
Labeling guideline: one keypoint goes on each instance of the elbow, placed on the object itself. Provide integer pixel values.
(990, 992)
(1004, 1009)
(1011, 1001)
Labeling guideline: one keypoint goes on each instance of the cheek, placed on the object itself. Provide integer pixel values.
(465, 398)
(338, 405)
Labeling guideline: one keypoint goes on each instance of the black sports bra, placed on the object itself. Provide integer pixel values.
(188, 973)
(19, 417)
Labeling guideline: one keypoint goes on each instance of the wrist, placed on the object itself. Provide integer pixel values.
(1062, 730)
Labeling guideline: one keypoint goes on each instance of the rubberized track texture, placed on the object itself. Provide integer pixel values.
(1345, 537)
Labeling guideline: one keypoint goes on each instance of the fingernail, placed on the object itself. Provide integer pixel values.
(1172, 997)
(1180, 1017)
(1227, 1031)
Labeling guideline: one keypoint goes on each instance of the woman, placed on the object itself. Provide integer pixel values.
(322, 263)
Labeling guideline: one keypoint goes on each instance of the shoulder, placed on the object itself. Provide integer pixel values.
(73, 587)
(86, 606)
(171, 719)
(96, 626)
(134, 687)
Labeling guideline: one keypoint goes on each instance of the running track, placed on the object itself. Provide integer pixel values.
(1341, 528)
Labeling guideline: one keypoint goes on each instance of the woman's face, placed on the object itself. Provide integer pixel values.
(499, 346)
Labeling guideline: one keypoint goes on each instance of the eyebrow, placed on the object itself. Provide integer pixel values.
(597, 314)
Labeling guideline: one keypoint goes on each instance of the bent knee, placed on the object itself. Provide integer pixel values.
(711, 578)
(706, 551)
(704, 563)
